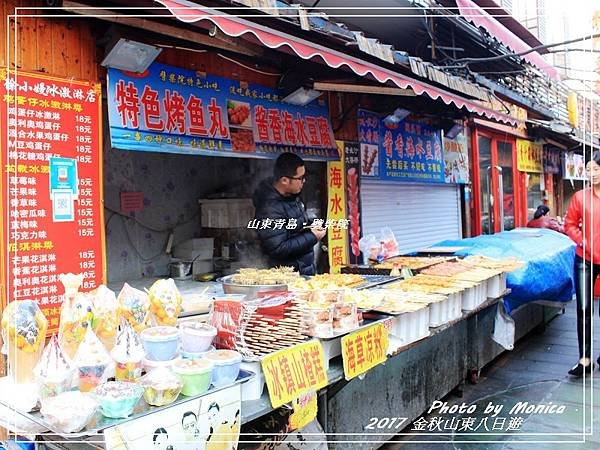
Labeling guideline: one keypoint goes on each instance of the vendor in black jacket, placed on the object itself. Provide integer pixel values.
(284, 239)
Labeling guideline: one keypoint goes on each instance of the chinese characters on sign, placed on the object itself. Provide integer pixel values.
(337, 239)
(411, 152)
(53, 223)
(364, 349)
(294, 371)
(168, 109)
(529, 156)
(456, 160)
(368, 138)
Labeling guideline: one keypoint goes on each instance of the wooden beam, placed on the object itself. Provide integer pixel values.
(362, 89)
(220, 40)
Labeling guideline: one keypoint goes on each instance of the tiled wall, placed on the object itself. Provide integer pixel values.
(172, 185)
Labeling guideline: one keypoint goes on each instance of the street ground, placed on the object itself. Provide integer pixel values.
(535, 372)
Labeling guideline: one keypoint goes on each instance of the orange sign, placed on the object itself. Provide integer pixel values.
(364, 349)
(294, 371)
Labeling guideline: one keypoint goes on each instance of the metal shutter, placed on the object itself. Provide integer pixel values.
(419, 214)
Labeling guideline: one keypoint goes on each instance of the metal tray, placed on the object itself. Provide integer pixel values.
(100, 423)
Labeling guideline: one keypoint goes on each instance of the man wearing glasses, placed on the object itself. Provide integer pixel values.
(287, 241)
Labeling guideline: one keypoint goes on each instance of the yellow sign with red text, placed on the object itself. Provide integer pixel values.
(294, 371)
(305, 411)
(364, 349)
(529, 156)
(337, 236)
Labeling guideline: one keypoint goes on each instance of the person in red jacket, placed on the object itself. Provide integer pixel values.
(582, 225)
(542, 220)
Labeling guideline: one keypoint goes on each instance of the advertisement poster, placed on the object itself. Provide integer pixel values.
(368, 138)
(212, 421)
(574, 167)
(456, 160)
(51, 149)
(411, 151)
(172, 110)
(352, 170)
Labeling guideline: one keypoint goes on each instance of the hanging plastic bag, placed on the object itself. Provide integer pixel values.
(134, 306)
(54, 372)
(76, 315)
(165, 302)
(24, 332)
(106, 316)
(94, 364)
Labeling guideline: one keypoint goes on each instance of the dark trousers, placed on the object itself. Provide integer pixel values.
(586, 274)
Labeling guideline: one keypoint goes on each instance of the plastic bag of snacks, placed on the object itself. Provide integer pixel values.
(54, 372)
(106, 316)
(390, 243)
(134, 306)
(226, 318)
(369, 246)
(165, 302)
(76, 314)
(24, 332)
(94, 364)
(128, 354)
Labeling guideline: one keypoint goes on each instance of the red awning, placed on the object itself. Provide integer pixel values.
(481, 18)
(238, 27)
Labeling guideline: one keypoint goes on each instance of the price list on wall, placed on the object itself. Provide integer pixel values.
(52, 220)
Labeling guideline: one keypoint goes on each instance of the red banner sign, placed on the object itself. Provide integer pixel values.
(51, 146)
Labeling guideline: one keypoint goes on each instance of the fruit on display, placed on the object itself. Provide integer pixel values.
(134, 306)
(105, 322)
(93, 362)
(24, 331)
(165, 301)
(76, 315)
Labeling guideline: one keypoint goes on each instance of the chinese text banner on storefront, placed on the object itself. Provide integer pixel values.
(52, 186)
(173, 110)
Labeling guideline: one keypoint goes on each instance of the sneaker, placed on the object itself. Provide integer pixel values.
(577, 371)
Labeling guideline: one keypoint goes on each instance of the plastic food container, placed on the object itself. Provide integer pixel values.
(69, 412)
(196, 336)
(92, 376)
(196, 375)
(160, 343)
(118, 398)
(161, 386)
(190, 355)
(226, 366)
(149, 364)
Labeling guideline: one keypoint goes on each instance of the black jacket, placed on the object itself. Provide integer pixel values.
(284, 247)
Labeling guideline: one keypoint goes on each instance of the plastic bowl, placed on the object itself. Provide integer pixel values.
(161, 387)
(226, 366)
(160, 343)
(196, 336)
(118, 398)
(189, 355)
(69, 412)
(196, 375)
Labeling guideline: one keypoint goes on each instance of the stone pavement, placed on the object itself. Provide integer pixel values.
(534, 372)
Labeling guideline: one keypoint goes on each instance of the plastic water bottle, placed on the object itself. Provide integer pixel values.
(381, 254)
